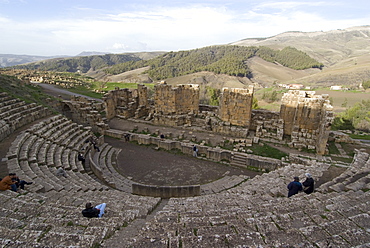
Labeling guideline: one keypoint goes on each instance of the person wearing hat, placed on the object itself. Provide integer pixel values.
(308, 184)
(294, 187)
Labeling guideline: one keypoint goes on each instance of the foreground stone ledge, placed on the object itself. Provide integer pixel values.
(166, 191)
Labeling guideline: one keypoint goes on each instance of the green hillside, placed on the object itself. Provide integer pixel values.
(230, 60)
(82, 64)
(25, 91)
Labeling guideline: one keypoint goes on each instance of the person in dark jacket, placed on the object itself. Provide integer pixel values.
(308, 184)
(93, 212)
(81, 158)
(294, 187)
(195, 151)
(20, 183)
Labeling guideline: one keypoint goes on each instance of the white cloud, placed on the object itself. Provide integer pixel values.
(118, 46)
(286, 5)
(4, 20)
(161, 28)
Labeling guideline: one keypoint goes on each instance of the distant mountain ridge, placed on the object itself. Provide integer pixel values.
(345, 54)
(7, 60)
(85, 64)
(328, 47)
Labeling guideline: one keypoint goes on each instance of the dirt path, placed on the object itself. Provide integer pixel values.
(54, 90)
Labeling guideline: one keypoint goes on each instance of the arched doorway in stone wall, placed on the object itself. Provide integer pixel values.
(66, 110)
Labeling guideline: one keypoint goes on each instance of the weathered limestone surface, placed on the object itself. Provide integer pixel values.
(85, 112)
(252, 213)
(15, 113)
(267, 124)
(304, 119)
(307, 118)
(236, 106)
(255, 214)
(179, 100)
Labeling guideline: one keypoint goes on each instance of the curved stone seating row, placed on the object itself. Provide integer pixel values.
(15, 113)
(5, 130)
(251, 215)
(275, 182)
(102, 164)
(55, 142)
(356, 177)
(237, 219)
(55, 220)
(225, 183)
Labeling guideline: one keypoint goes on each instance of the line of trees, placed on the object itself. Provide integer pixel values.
(82, 64)
(230, 60)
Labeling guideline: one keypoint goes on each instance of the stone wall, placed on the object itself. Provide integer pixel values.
(85, 112)
(175, 106)
(307, 119)
(127, 103)
(215, 154)
(182, 99)
(267, 124)
(236, 106)
(303, 121)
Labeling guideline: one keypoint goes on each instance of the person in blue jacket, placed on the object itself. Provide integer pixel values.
(294, 187)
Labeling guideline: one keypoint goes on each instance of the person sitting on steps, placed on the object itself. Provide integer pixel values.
(12, 182)
(94, 212)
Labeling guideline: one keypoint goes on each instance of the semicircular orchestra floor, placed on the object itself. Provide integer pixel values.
(147, 165)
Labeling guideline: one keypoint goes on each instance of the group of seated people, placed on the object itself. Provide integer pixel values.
(13, 183)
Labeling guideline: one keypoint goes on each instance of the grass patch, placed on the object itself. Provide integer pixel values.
(324, 216)
(344, 160)
(332, 148)
(267, 151)
(113, 85)
(30, 93)
(348, 148)
(360, 136)
(86, 92)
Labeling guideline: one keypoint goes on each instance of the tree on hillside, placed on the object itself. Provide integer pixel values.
(214, 95)
(358, 116)
(366, 84)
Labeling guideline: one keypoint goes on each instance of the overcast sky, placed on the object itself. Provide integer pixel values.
(68, 27)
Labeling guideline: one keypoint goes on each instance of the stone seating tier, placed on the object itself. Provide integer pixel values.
(255, 213)
(232, 220)
(102, 164)
(15, 113)
(36, 157)
(55, 220)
